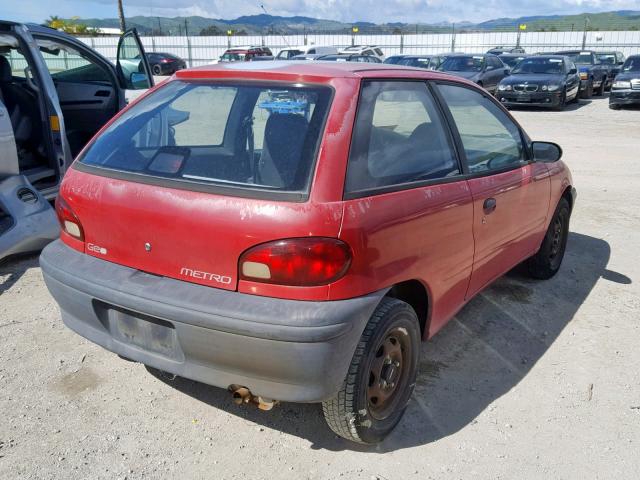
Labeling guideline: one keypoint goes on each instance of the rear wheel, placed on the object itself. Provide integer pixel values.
(156, 69)
(546, 263)
(381, 376)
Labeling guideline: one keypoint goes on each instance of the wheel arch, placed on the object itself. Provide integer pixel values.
(416, 294)
(566, 194)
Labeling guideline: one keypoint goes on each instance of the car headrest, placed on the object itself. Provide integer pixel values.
(5, 70)
(284, 137)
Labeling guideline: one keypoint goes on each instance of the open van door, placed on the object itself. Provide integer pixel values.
(132, 66)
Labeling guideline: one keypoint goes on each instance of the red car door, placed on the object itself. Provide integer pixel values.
(408, 211)
(510, 193)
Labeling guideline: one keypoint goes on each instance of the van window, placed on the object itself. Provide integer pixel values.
(399, 137)
(234, 135)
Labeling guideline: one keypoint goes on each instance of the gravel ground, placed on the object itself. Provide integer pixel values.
(530, 380)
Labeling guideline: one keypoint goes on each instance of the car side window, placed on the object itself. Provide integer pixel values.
(67, 64)
(491, 140)
(399, 137)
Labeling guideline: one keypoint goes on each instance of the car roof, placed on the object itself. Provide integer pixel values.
(287, 70)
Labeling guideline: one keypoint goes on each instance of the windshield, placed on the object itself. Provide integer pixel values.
(550, 66)
(631, 65)
(233, 57)
(510, 61)
(607, 58)
(583, 58)
(463, 63)
(415, 62)
(227, 134)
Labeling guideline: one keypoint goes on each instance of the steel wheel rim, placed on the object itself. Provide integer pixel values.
(388, 372)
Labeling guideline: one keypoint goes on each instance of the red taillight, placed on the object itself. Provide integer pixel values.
(68, 220)
(299, 262)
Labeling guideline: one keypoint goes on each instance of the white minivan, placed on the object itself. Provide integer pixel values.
(290, 52)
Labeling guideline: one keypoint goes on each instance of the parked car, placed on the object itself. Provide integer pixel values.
(165, 63)
(370, 50)
(594, 76)
(314, 56)
(626, 86)
(501, 50)
(349, 57)
(614, 60)
(485, 70)
(304, 254)
(430, 62)
(511, 59)
(290, 52)
(244, 54)
(394, 59)
(55, 94)
(545, 80)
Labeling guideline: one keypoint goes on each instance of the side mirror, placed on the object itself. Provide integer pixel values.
(573, 71)
(546, 152)
(507, 71)
(620, 63)
(139, 81)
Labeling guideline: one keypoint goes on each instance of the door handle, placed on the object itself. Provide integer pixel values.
(489, 205)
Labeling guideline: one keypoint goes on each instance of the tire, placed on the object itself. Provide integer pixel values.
(546, 263)
(562, 103)
(588, 92)
(156, 69)
(614, 106)
(603, 85)
(385, 363)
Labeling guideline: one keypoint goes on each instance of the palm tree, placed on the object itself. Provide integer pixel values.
(123, 26)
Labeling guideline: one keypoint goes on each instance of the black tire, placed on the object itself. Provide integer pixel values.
(562, 103)
(614, 106)
(353, 413)
(576, 98)
(587, 92)
(600, 90)
(156, 69)
(546, 263)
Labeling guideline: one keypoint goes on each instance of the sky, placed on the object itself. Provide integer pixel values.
(377, 11)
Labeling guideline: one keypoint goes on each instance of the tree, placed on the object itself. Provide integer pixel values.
(70, 25)
(211, 30)
(123, 25)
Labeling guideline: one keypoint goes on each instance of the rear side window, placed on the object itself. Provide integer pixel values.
(399, 137)
(490, 139)
(231, 135)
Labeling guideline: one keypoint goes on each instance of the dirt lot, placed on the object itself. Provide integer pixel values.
(530, 380)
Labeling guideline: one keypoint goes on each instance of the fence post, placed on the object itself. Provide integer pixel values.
(401, 42)
(153, 44)
(453, 37)
(189, 51)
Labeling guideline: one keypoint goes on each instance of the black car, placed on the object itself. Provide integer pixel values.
(594, 76)
(614, 60)
(483, 69)
(165, 63)
(511, 59)
(394, 59)
(429, 62)
(350, 57)
(545, 80)
(626, 87)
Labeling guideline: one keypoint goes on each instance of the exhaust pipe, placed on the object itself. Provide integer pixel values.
(242, 395)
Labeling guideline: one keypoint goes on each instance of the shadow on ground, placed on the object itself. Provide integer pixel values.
(12, 269)
(480, 355)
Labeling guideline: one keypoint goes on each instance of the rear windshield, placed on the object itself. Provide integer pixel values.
(460, 63)
(241, 136)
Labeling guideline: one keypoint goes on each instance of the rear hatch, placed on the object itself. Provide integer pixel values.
(187, 179)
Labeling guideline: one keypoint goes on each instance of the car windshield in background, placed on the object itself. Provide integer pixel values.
(607, 58)
(463, 63)
(415, 62)
(579, 58)
(631, 65)
(232, 57)
(511, 61)
(551, 66)
(234, 135)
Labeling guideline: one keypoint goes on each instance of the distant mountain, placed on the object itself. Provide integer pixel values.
(273, 24)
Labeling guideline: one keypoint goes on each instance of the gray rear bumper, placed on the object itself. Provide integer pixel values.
(281, 349)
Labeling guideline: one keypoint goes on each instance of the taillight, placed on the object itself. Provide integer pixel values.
(299, 262)
(68, 220)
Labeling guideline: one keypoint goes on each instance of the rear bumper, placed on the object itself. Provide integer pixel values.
(624, 97)
(282, 349)
(538, 99)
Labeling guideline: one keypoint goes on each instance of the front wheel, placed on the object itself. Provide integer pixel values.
(381, 376)
(587, 92)
(601, 88)
(546, 263)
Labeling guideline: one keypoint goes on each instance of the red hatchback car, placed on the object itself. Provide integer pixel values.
(292, 231)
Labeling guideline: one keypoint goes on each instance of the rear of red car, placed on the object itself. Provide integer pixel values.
(200, 235)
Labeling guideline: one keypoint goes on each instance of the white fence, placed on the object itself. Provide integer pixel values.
(202, 50)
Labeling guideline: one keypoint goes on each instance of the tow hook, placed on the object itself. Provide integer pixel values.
(242, 395)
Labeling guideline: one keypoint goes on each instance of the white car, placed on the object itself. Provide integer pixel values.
(290, 52)
(365, 50)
